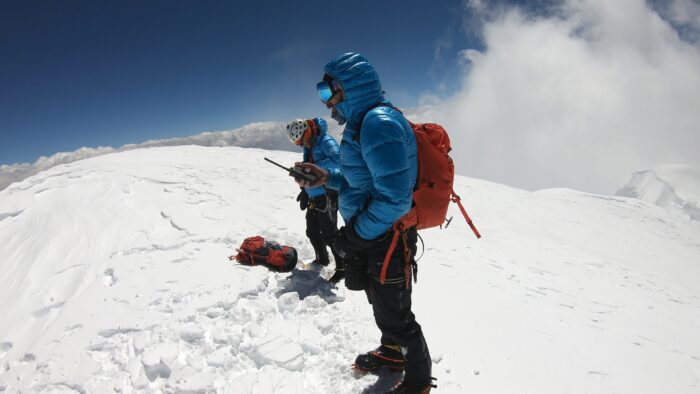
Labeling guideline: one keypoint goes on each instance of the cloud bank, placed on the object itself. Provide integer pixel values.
(581, 97)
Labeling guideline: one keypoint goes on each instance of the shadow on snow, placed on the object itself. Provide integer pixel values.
(307, 283)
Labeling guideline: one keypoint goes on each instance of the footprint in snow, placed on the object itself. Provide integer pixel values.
(71, 330)
(385, 381)
(109, 279)
(5, 348)
(47, 309)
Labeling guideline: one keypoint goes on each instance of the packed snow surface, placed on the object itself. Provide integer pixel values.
(114, 277)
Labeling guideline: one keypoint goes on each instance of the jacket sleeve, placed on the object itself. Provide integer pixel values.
(336, 180)
(332, 150)
(385, 150)
(328, 149)
(331, 153)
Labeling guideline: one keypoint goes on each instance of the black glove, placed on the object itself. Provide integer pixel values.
(303, 199)
(348, 243)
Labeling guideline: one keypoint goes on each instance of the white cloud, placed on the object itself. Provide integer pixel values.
(685, 12)
(581, 99)
(17, 172)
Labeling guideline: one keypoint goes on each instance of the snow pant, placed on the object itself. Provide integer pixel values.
(322, 225)
(391, 303)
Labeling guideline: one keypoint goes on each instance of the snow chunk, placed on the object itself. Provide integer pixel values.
(256, 330)
(194, 383)
(220, 357)
(159, 360)
(141, 341)
(191, 334)
(283, 352)
(310, 338)
(288, 302)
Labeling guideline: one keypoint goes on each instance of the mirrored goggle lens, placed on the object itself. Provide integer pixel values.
(324, 91)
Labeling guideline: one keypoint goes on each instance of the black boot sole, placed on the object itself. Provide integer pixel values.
(373, 370)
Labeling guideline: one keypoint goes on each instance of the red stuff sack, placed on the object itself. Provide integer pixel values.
(257, 251)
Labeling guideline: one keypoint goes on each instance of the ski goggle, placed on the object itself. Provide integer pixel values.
(327, 88)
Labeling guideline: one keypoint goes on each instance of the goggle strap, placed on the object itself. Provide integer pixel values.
(310, 133)
(312, 126)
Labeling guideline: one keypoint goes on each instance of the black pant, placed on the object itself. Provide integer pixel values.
(391, 303)
(321, 226)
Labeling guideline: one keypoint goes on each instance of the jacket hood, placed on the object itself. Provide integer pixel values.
(359, 82)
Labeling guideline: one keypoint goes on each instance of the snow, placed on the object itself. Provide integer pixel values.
(114, 277)
(675, 187)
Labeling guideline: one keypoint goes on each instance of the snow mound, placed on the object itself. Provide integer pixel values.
(676, 187)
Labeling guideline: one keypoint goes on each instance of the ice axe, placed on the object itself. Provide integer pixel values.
(295, 172)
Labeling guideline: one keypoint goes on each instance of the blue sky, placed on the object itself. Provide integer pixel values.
(92, 73)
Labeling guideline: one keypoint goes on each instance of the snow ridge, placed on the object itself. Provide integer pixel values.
(675, 187)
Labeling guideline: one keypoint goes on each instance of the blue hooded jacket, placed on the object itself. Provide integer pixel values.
(325, 153)
(378, 157)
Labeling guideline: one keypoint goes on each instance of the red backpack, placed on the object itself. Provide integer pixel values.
(257, 251)
(433, 190)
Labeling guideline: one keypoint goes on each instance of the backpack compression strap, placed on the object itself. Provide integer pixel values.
(385, 265)
(399, 230)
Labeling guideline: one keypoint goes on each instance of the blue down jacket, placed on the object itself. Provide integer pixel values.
(378, 158)
(325, 153)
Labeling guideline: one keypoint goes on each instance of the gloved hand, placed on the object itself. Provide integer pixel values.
(303, 199)
(313, 169)
(348, 243)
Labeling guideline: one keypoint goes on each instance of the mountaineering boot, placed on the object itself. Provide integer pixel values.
(411, 388)
(389, 356)
(321, 252)
(320, 262)
(338, 275)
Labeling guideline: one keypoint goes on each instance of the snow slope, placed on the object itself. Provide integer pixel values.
(676, 187)
(114, 278)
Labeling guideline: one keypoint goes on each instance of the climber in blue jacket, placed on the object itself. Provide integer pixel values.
(375, 179)
(320, 203)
